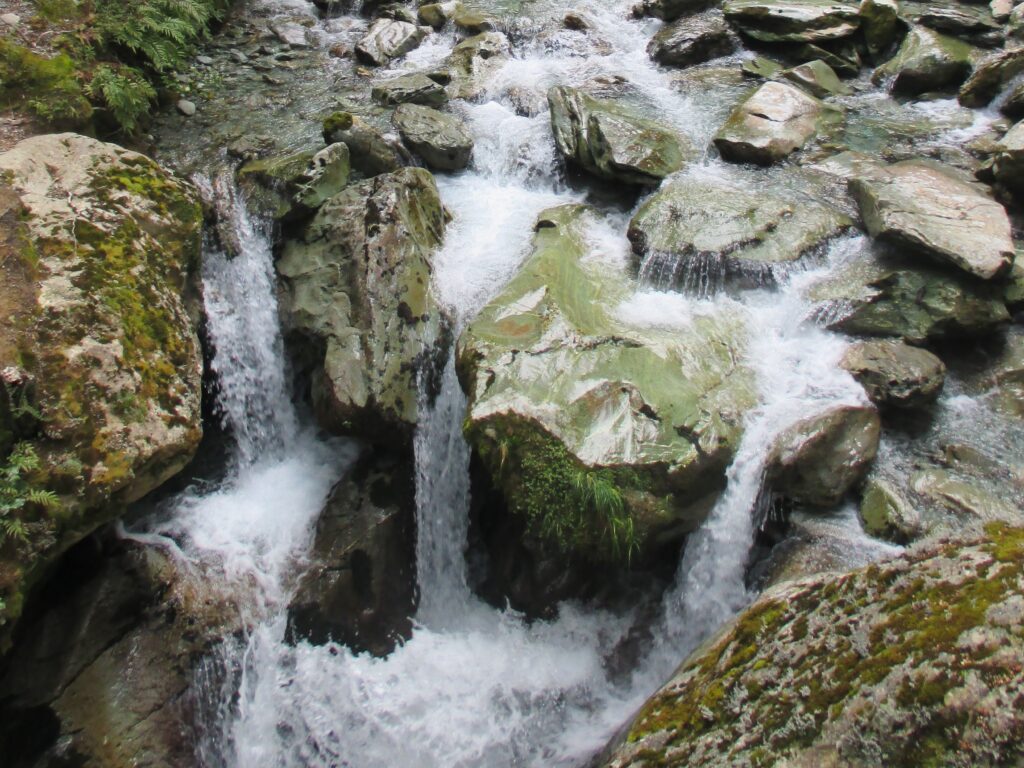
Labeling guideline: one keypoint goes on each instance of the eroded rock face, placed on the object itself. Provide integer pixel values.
(356, 299)
(789, 21)
(608, 140)
(691, 40)
(895, 374)
(925, 207)
(602, 436)
(387, 39)
(360, 590)
(98, 244)
(926, 667)
(818, 459)
(926, 61)
(706, 234)
(777, 120)
(442, 140)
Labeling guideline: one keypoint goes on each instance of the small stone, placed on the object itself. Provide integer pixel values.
(11, 20)
(186, 107)
(204, 60)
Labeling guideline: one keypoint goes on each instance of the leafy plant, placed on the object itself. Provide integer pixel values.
(126, 93)
(47, 88)
(17, 492)
(601, 495)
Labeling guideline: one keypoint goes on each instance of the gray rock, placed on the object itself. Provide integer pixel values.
(927, 208)
(792, 21)
(817, 78)
(291, 34)
(962, 497)
(387, 39)
(370, 151)
(669, 10)
(691, 40)
(880, 24)
(472, 22)
(297, 184)
(926, 61)
(186, 107)
(703, 234)
(442, 140)
(11, 20)
(818, 459)
(990, 76)
(1013, 104)
(610, 140)
(777, 120)
(472, 60)
(410, 89)
(1008, 161)
(436, 15)
(886, 513)
(968, 25)
(895, 374)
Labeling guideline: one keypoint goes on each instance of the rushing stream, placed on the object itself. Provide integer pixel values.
(473, 686)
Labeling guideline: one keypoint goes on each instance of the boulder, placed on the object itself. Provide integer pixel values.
(473, 60)
(360, 588)
(370, 151)
(880, 24)
(912, 659)
(609, 140)
(703, 234)
(792, 21)
(894, 374)
(387, 39)
(974, 26)
(885, 295)
(886, 513)
(1008, 160)
(670, 10)
(442, 140)
(842, 55)
(818, 459)
(97, 248)
(927, 208)
(817, 78)
(607, 439)
(291, 33)
(356, 302)
(1013, 104)
(777, 120)
(925, 61)
(436, 15)
(966, 499)
(416, 88)
(297, 184)
(1004, 377)
(471, 22)
(991, 74)
(691, 40)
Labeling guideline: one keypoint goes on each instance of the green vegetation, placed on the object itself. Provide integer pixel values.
(112, 58)
(17, 492)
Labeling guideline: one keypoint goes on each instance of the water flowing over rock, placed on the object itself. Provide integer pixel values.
(600, 435)
(98, 246)
(777, 120)
(387, 39)
(702, 234)
(691, 40)
(356, 292)
(895, 374)
(609, 140)
(927, 208)
(442, 140)
(789, 21)
(818, 459)
(926, 667)
(926, 61)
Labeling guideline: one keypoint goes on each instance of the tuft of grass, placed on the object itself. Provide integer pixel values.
(17, 493)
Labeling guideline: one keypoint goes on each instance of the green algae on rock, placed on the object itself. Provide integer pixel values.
(93, 285)
(603, 437)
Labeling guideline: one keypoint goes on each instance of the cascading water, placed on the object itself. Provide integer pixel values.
(473, 686)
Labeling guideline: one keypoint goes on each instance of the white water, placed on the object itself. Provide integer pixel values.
(474, 686)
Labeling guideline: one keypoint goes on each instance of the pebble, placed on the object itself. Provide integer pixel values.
(186, 107)
(204, 60)
(11, 19)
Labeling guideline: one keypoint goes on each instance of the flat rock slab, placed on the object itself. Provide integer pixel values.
(895, 374)
(409, 89)
(387, 39)
(442, 140)
(922, 206)
(777, 120)
(692, 40)
(793, 21)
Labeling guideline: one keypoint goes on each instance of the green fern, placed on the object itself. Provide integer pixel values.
(17, 493)
(125, 92)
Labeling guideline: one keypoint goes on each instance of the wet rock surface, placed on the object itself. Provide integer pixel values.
(441, 140)
(894, 374)
(691, 40)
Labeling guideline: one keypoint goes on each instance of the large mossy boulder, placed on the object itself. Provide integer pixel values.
(894, 374)
(926, 61)
(793, 21)
(928, 208)
(773, 122)
(913, 661)
(610, 140)
(356, 301)
(702, 234)
(96, 250)
(604, 437)
(882, 294)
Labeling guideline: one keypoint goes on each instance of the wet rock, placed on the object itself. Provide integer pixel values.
(1005, 377)
(610, 140)
(436, 15)
(97, 246)
(410, 89)
(298, 184)
(472, 60)
(691, 40)
(884, 295)
(926, 61)
(792, 21)
(605, 438)
(357, 306)
(371, 152)
(186, 107)
(471, 22)
(1008, 161)
(704, 234)
(775, 121)
(927, 208)
(761, 67)
(291, 34)
(576, 22)
(841, 55)
(387, 39)
(1013, 106)
(990, 76)
(817, 78)
(818, 459)
(670, 10)
(880, 24)
(829, 671)
(396, 12)
(895, 374)
(968, 25)
(442, 140)
(886, 514)
(360, 589)
(966, 499)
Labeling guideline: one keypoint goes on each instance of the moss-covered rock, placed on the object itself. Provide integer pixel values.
(915, 661)
(93, 278)
(356, 299)
(604, 437)
(926, 61)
